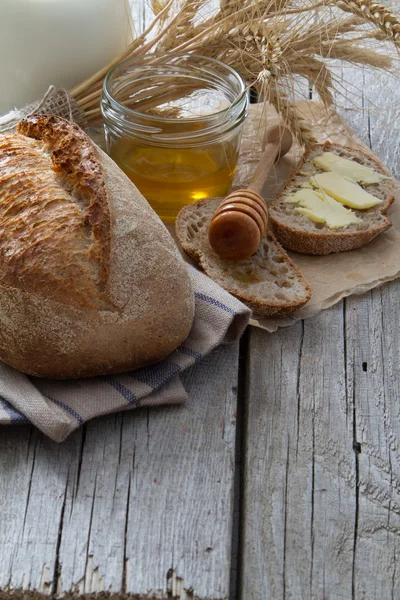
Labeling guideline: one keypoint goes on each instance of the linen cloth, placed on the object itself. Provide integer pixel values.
(56, 101)
(58, 407)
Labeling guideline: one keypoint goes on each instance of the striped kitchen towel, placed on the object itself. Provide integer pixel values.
(59, 407)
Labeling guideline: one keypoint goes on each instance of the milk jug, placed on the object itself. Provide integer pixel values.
(59, 42)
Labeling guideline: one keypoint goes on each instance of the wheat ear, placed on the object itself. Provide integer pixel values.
(377, 14)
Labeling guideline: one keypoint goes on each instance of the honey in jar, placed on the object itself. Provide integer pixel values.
(170, 178)
(173, 124)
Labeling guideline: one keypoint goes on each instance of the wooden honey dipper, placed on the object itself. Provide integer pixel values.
(240, 222)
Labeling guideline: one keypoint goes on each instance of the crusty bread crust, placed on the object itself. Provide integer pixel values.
(191, 228)
(319, 244)
(143, 303)
(47, 211)
(294, 236)
(74, 160)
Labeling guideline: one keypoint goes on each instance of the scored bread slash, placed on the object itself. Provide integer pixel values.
(297, 231)
(268, 281)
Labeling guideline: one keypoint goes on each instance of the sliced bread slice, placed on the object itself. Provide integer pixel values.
(297, 232)
(268, 282)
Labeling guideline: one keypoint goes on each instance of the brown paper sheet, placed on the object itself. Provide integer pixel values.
(335, 276)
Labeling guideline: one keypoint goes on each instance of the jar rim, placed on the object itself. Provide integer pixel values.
(141, 61)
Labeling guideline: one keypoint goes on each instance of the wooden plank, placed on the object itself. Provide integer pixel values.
(321, 495)
(34, 475)
(373, 328)
(321, 485)
(137, 503)
(299, 468)
(372, 340)
(372, 109)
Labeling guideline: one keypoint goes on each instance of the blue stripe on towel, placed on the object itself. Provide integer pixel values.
(214, 302)
(68, 409)
(156, 375)
(123, 390)
(14, 415)
(190, 352)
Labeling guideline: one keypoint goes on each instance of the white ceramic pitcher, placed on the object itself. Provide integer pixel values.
(59, 42)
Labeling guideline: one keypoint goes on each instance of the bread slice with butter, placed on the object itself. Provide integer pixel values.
(336, 201)
(268, 282)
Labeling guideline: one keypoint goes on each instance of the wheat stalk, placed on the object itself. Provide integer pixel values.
(182, 27)
(269, 42)
(354, 54)
(290, 114)
(377, 14)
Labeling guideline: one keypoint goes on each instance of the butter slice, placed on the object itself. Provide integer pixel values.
(345, 192)
(349, 169)
(321, 208)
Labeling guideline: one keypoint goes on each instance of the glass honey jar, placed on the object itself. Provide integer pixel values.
(173, 124)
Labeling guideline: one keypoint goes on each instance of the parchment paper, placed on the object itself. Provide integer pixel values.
(335, 276)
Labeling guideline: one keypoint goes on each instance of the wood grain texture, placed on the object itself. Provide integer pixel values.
(322, 487)
(299, 493)
(372, 108)
(372, 334)
(136, 504)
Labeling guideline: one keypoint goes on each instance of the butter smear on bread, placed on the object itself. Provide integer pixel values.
(299, 225)
(324, 197)
(322, 208)
(345, 192)
(349, 169)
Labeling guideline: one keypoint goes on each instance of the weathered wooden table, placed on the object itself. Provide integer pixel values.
(279, 479)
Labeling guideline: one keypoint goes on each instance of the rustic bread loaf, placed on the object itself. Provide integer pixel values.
(268, 282)
(297, 232)
(91, 282)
